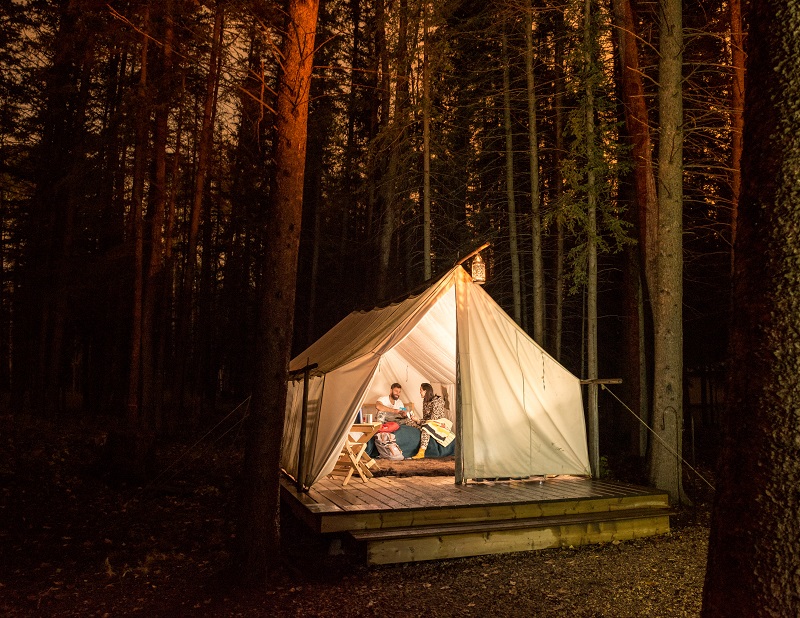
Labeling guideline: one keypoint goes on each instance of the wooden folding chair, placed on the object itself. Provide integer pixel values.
(353, 457)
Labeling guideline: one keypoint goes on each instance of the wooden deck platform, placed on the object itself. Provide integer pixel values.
(407, 519)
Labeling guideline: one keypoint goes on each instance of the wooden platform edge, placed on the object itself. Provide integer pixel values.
(476, 543)
(510, 524)
(343, 521)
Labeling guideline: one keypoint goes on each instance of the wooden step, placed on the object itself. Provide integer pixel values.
(419, 543)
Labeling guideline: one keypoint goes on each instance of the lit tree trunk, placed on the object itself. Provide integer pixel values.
(754, 548)
(737, 112)
(258, 531)
(639, 131)
(636, 120)
(533, 153)
(591, 216)
(426, 150)
(512, 209)
(667, 297)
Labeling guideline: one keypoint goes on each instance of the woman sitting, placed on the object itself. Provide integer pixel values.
(432, 409)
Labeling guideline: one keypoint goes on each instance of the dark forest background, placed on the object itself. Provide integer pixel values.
(135, 174)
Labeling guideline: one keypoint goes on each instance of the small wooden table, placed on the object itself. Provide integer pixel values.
(353, 457)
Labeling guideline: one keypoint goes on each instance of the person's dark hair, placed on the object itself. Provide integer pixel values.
(396, 385)
(428, 392)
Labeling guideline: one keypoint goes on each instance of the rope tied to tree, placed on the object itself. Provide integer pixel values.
(660, 439)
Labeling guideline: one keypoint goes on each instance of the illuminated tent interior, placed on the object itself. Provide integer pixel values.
(516, 411)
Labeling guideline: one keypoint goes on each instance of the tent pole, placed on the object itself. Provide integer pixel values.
(459, 472)
(303, 421)
(459, 416)
(594, 432)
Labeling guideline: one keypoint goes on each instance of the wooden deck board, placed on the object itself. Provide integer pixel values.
(391, 493)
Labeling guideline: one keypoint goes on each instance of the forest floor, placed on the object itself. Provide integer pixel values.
(74, 544)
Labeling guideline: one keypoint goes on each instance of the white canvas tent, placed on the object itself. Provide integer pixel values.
(517, 411)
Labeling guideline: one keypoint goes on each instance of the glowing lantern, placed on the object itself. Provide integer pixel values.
(478, 270)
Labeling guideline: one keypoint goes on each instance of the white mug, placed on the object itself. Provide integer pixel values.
(368, 418)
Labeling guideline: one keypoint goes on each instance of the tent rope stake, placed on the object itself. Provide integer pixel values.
(660, 439)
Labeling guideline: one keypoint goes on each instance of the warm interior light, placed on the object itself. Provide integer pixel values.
(478, 270)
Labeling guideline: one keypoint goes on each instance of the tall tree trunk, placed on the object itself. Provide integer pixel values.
(426, 148)
(737, 112)
(350, 146)
(136, 226)
(591, 216)
(754, 548)
(203, 157)
(392, 201)
(512, 209)
(258, 531)
(558, 128)
(667, 297)
(639, 130)
(636, 121)
(533, 161)
(42, 306)
(379, 81)
(389, 178)
(154, 281)
(166, 356)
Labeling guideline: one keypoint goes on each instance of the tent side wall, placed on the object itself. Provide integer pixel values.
(333, 402)
(521, 411)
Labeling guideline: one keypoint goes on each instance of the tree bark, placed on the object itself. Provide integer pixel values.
(195, 216)
(426, 150)
(754, 549)
(636, 119)
(558, 99)
(640, 268)
(350, 146)
(512, 209)
(591, 241)
(396, 130)
(737, 113)
(667, 297)
(154, 281)
(533, 161)
(258, 531)
(136, 226)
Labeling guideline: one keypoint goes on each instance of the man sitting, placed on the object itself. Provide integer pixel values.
(391, 408)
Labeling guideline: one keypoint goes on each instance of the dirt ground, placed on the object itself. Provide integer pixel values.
(74, 544)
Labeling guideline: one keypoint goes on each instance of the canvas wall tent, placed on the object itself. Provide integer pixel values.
(517, 411)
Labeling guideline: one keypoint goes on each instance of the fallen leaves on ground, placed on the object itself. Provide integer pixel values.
(74, 544)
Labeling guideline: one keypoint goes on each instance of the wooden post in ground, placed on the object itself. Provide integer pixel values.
(594, 421)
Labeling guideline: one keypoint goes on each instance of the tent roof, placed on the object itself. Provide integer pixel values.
(375, 331)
